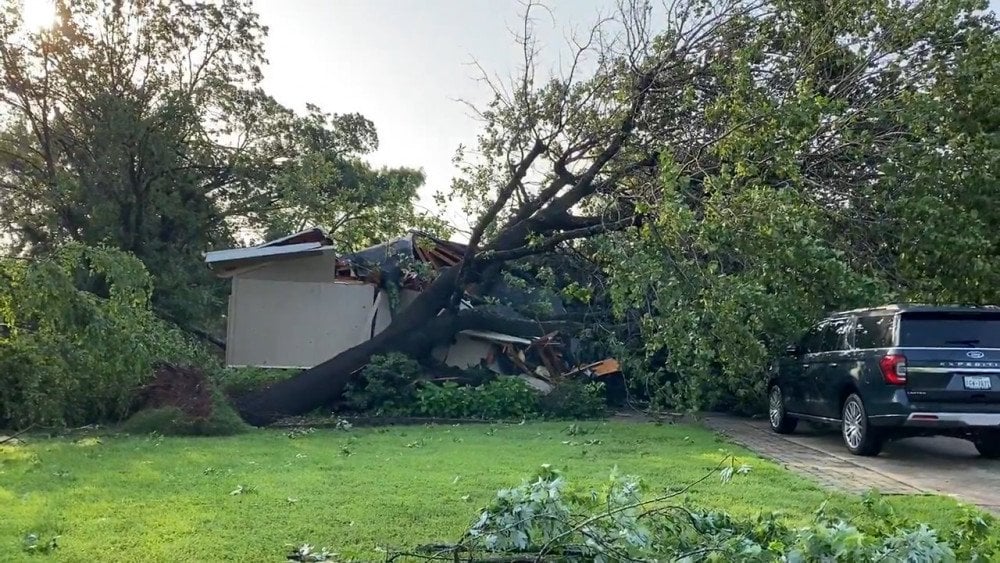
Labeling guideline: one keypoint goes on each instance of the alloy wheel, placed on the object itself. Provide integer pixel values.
(776, 407)
(853, 424)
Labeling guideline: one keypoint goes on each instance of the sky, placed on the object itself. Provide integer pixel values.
(405, 65)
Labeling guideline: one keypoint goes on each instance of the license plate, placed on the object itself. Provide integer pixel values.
(978, 382)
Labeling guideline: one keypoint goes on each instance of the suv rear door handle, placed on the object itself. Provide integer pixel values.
(805, 366)
(833, 364)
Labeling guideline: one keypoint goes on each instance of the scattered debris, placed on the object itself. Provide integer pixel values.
(306, 552)
(300, 432)
(243, 490)
(14, 439)
(33, 543)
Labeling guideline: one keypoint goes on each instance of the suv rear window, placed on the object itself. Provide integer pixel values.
(950, 330)
(873, 332)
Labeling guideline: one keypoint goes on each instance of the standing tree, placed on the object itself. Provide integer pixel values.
(841, 154)
(142, 125)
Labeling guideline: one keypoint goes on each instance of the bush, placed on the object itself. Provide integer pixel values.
(510, 398)
(391, 385)
(445, 401)
(78, 337)
(573, 399)
(172, 421)
(236, 382)
(386, 386)
(506, 398)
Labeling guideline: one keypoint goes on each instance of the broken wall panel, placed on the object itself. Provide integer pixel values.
(381, 314)
(465, 352)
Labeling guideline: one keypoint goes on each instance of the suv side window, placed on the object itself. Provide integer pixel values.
(873, 332)
(835, 335)
(812, 342)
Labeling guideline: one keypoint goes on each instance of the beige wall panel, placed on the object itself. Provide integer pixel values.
(295, 324)
(314, 268)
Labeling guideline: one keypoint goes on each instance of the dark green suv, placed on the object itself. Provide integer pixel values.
(894, 372)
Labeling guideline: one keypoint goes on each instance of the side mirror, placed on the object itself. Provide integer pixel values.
(793, 351)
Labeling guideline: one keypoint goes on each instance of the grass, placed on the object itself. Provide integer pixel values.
(253, 496)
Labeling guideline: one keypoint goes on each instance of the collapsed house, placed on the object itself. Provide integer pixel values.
(295, 303)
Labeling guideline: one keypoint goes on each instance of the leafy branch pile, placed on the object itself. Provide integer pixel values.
(546, 520)
(392, 385)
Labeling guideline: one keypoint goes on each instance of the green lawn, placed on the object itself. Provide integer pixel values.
(169, 499)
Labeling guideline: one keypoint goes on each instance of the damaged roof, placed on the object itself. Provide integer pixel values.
(415, 245)
(297, 245)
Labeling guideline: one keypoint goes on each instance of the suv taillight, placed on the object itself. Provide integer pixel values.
(893, 369)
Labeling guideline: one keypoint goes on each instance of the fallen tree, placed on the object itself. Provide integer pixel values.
(551, 157)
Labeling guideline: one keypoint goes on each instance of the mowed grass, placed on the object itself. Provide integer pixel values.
(357, 491)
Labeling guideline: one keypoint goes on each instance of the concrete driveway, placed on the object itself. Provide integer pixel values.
(944, 466)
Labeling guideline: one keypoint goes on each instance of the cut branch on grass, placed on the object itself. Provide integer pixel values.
(15, 435)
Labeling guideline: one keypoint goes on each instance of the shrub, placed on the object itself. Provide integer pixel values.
(505, 398)
(573, 399)
(510, 398)
(172, 421)
(78, 337)
(391, 385)
(445, 401)
(386, 385)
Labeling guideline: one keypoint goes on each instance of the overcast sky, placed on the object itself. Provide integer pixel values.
(403, 64)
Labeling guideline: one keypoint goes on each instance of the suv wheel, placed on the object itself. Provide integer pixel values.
(859, 436)
(780, 421)
(988, 443)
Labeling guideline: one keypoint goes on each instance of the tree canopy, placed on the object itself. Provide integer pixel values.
(143, 125)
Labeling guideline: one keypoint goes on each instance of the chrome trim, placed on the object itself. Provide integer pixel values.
(966, 348)
(968, 419)
(927, 369)
(901, 348)
(813, 417)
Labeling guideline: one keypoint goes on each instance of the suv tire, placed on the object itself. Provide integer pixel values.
(988, 443)
(858, 434)
(780, 421)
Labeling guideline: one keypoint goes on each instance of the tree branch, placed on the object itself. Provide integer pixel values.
(555, 240)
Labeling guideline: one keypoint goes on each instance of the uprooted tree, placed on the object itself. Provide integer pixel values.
(734, 170)
(552, 158)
